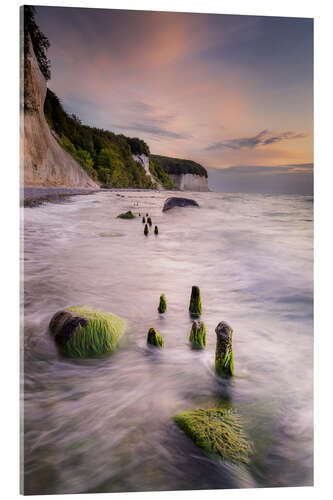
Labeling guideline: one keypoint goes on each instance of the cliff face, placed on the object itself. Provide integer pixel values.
(186, 175)
(189, 182)
(144, 161)
(45, 162)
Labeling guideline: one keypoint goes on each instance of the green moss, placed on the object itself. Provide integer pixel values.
(226, 365)
(198, 334)
(154, 338)
(195, 301)
(146, 230)
(218, 432)
(163, 304)
(98, 337)
(127, 215)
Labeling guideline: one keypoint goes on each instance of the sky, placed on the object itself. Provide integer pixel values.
(234, 93)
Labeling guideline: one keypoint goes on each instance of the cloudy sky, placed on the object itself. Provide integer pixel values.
(234, 93)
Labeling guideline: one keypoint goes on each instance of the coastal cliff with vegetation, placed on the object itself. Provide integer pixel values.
(186, 175)
(45, 162)
(60, 151)
(110, 159)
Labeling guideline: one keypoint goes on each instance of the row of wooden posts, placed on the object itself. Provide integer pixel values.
(224, 358)
(148, 223)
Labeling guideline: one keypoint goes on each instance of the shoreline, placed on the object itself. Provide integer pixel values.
(34, 196)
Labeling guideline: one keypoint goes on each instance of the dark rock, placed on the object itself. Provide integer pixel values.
(84, 332)
(64, 324)
(178, 202)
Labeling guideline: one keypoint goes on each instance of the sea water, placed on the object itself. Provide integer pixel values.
(106, 425)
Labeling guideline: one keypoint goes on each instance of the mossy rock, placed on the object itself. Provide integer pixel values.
(84, 332)
(163, 304)
(154, 338)
(218, 432)
(198, 334)
(127, 215)
(195, 307)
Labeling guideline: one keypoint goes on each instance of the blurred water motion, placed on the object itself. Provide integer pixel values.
(105, 425)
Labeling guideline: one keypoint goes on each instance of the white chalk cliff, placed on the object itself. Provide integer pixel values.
(44, 162)
(189, 182)
(144, 161)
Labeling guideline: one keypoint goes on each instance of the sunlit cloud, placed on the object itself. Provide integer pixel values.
(220, 90)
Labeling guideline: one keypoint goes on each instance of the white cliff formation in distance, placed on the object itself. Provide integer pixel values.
(189, 182)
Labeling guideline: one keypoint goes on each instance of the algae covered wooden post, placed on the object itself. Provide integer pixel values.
(195, 301)
(224, 356)
(163, 304)
(198, 334)
(154, 338)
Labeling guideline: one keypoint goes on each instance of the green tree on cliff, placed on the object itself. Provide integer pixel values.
(39, 41)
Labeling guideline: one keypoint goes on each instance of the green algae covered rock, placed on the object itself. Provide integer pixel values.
(224, 355)
(218, 432)
(163, 304)
(198, 334)
(127, 215)
(195, 307)
(154, 338)
(84, 332)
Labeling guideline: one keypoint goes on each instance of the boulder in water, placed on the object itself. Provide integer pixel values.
(218, 432)
(127, 215)
(84, 332)
(178, 202)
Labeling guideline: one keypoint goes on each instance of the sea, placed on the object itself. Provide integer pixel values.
(106, 425)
